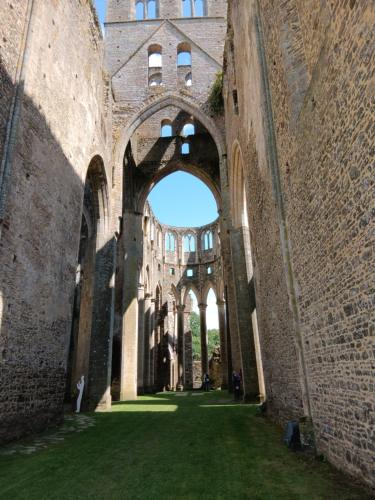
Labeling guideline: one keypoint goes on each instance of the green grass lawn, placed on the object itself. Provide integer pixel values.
(173, 447)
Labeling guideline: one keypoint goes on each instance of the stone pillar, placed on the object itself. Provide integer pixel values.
(180, 345)
(223, 343)
(152, 345)
(233, 341)
(241, 270)
(100, 359)
(147, 338)
(188, 352)
(204, 342)
(132, 259)
(229, 345)
(141, 339)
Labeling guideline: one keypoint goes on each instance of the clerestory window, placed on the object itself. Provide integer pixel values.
(184, 68)
(200, 8)
(207, 240)
(188, 129)
(189, 243)
(152, 9)
(139, 11)
(170, 242)
(155, 77)
(185, 148)
(146, 9)
(166, 128)
(187, 8)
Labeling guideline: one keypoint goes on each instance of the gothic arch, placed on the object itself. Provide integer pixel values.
(207, 287)
(238, 188)
(153, 107)
(176, 294)
(193, 288)
(172, 167)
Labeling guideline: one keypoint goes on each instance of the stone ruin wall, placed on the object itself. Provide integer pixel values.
(64, 121)
(320, 66)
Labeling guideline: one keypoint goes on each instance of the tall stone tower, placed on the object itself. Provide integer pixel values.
(157, 47)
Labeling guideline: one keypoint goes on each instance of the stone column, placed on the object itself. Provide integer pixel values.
(229, 341)
(141, 339)
(132, 259)
(223, 343)
(152, 345)
(147, 342)
(188, 352)
(100, 359)
(204, 342)
(241, 270)
(233, 341)
(180, 345)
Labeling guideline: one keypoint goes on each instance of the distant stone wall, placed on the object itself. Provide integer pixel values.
(63, 121)
(310, 192)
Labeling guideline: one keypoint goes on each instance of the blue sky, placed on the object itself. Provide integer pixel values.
(183, 200)
(100, 8)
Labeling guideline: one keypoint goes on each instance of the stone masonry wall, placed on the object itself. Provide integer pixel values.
(318, 58)
(13, 25)
(63, 123)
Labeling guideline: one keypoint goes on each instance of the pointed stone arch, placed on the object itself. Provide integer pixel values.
(207, 287)
(238, 188)
(194, 289)
(157, 105)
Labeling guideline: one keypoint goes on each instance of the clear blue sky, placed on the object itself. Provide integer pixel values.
(183, 200)
(100, 8)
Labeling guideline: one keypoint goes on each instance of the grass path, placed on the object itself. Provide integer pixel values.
(172, 447)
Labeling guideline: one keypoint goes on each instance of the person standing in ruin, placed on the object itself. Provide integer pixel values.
(236, 379)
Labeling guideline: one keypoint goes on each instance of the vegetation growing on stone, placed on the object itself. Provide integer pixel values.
(216, 99)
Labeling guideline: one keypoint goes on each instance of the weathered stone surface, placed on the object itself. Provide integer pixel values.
(60, 123)
(303, 74)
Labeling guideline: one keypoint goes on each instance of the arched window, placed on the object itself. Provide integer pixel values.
(139, 11)
(184, 71)
(189, 243)
(170, 244)
(154, 59)
(190, 273)
(207, 240)
(155, 76)
(166, 128)
(188, 129)
(152, 9)
(187, 10)
(209, 270)
(185, 148)
(155, 80)
(183, 56)
(200, 8)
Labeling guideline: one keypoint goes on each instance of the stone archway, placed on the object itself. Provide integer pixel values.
(90, 351)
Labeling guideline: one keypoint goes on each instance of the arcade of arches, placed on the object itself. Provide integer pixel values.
(92, 284)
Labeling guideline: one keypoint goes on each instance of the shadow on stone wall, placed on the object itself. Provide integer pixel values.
(42, 196)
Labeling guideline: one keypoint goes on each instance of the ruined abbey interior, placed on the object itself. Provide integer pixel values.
(91, 283)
